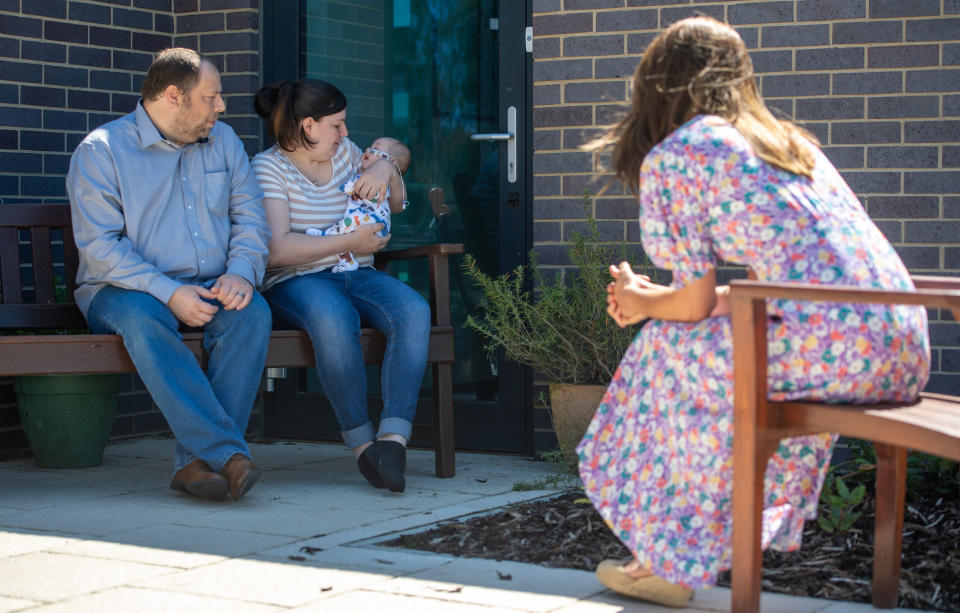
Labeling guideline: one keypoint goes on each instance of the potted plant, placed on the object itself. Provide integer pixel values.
(559, 326)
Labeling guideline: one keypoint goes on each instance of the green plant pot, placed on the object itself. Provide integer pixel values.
(67, 418)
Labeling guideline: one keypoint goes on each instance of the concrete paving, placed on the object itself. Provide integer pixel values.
(306, 538)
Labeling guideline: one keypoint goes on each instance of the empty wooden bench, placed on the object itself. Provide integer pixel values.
(931, 425)
(42, 234)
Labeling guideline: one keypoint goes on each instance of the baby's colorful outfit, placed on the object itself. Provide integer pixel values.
(358, 213)
(656, 460)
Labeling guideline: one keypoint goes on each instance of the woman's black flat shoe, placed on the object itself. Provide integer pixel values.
(367, 463)
(391, 462)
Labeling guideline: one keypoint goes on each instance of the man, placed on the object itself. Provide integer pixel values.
(169, 222)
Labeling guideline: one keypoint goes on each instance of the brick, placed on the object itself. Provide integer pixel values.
(951, 157)
(795, 36)
(558, 208)
(124, 103)
(562, 70)
(163, 23)
(845, 157)
(110, 37)
(951, 55)
(216, 5)
(772, 61)
(546, 47)
(110, 79)
(617, 67)
(575, 185)
(21, 162)
(892, 230)
(915, 258)
(902, 157)
(42, 186)
(546, 6)
(56, 9)
(830, 59)
(153, 5)
(595, 91)
(781, 108)
(608, 114)
(562, 162)
(246, 83)
(880, 9)
(830, 10)
(795, 85)
(580, 46)
(132, 60)
(750, 36)
(951, 257)
(821, 130)
(86, 56)
(26, 27)
(903, 207)
(185, 6)
(91, 101)
(867, 32)
(632, 20)
(951, 7)
(90, 13)
(938, 231)
(243, 62)
(546, 94)
(607, 231)
(9, 47)
(65, 32)
(672, 15)
(951, 106)
(64, 120)
(547, 231)
(42, 96)
(41, 141)
(942, 28)
(203, 22)
(637, 43)
(234, 41)
(830, 108)
(865, 132)
(568, 23)
(9, 93)
(931, 131)
(617, 208)
(96, 120)
(43, 52)
(573, 5)
(895, 107)
(868, 83)
(903, 56)
(62, 75)
(873, 182)
(943, 80)
(545, 117)
(546, 185)
(135, 20)
(552, 255)
(9, 139)
(936, 182)
(950, 360)
(760, 12)
(21, 72)
(574, 138)
(73, 140)
(658, 2)
(150, 42)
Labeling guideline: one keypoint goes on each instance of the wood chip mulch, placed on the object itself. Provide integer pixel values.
(566, 532)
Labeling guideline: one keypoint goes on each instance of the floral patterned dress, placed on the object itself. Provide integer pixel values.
(657, 458)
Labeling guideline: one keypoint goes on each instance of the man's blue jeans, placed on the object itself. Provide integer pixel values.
(208, 412)
(332, 307)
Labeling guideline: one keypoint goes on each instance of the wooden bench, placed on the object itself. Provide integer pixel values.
(48, 227)
(931, 425)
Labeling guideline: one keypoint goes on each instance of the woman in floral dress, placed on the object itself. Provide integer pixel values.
(720, 179)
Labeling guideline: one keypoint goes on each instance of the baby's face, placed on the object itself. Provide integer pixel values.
(369, 156)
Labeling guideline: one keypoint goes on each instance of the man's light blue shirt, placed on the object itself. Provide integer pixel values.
(150, 215)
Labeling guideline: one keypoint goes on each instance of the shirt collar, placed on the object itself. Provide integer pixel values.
(150, 135)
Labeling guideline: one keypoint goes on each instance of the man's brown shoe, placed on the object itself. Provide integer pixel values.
(198, 479)
(241, 473)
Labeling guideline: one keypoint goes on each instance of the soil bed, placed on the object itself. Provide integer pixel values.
(566, 532)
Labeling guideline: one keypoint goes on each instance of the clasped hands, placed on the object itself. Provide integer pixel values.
(626, 295)
(189, 306)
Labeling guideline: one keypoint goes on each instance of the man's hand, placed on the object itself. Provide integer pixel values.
(188, 305)
(366, 241)
(233, 291)
(373, 183)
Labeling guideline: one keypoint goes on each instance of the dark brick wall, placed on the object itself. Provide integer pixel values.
(68, 66)
(876, 81)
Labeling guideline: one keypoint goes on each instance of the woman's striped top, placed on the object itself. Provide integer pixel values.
(310, 206)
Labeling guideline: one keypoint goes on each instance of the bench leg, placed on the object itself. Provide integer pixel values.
(888, 527)
(750, 464)
(443, 419)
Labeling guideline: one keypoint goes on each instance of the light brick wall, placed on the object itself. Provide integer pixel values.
(878, 82)
(68, 66)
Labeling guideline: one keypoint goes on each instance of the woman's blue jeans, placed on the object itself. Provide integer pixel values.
(332, 307)
(207, 411)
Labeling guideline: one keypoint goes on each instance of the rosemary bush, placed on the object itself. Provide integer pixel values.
(561, 328)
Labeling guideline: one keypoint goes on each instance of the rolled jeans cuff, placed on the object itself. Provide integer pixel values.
(395, 425)
(355, 437)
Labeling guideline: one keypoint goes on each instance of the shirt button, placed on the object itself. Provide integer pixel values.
(194, 233)
(203, 261)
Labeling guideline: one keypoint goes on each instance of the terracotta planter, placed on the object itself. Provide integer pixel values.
(572, 408)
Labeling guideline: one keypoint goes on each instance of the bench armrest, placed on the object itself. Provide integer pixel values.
(439, 263)
(418, 252)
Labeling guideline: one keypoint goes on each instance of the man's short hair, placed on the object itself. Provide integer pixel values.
(175, 66)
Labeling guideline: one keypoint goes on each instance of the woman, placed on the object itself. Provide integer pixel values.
(719, 178)
(301, 177)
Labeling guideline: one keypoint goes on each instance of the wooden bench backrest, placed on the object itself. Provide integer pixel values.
(31, 239)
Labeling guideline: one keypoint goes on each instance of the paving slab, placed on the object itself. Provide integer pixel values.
(15, 604)
(151, 601)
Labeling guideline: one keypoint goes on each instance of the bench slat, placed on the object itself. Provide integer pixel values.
(10, 266)
(43, 285)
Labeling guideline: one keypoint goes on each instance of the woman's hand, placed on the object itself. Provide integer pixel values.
(366, 241)
(625, 295)
(373, 183)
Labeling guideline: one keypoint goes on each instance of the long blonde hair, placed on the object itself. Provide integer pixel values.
(700, 65)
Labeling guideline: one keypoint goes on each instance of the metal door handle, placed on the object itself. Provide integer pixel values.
(510, 137)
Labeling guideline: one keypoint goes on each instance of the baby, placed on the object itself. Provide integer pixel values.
(362, 212)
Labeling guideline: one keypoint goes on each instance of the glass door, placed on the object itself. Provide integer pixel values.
(448, 78)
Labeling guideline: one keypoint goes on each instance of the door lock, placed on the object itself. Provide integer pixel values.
(513, 199)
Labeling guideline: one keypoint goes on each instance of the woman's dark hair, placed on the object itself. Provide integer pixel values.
(285, 105)
(700, 65)
(176, 66)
